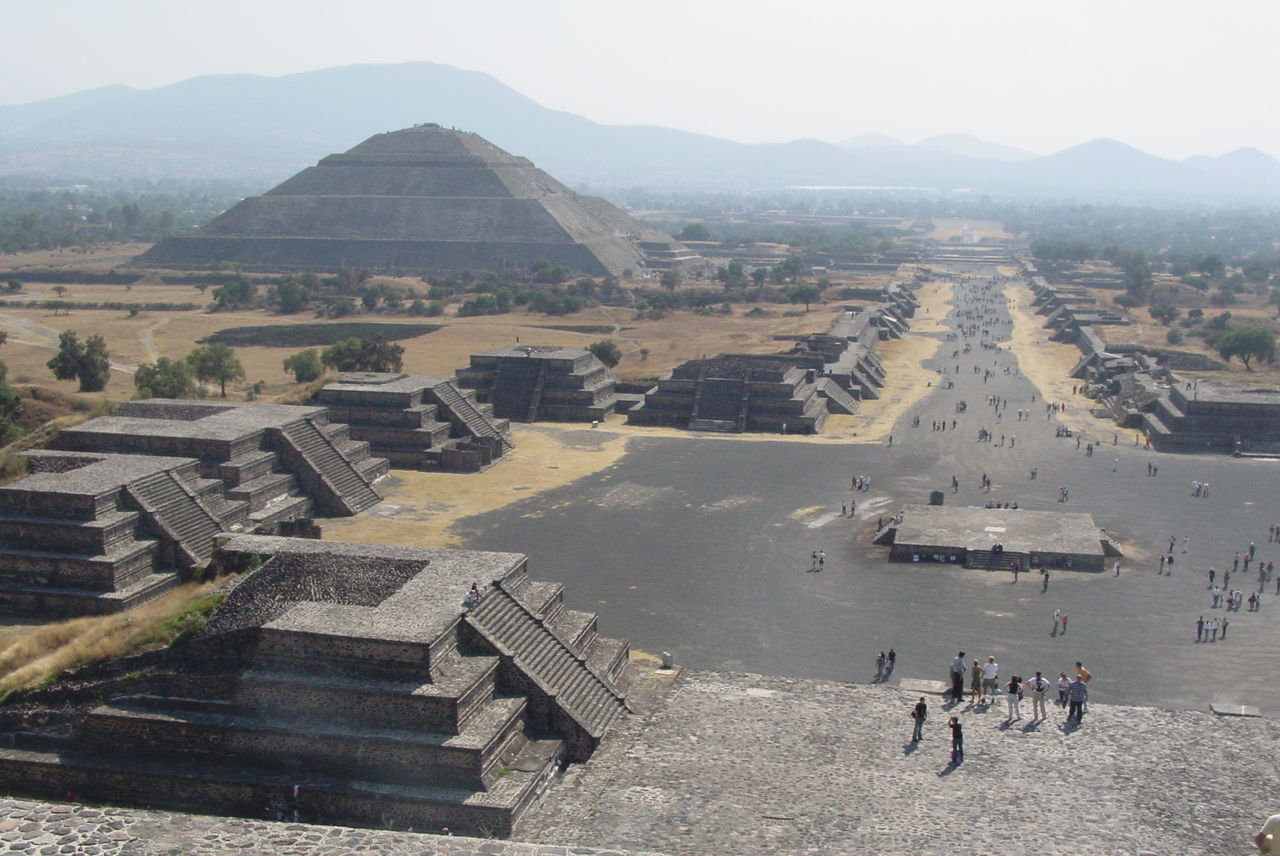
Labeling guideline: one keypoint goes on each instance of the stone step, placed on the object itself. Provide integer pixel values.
(54, 601)
(91, 537)
(234, 789)
(404, 755)
(457, 691)
(126, 564)
(259, 492)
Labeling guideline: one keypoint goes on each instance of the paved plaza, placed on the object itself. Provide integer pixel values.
(701, 546)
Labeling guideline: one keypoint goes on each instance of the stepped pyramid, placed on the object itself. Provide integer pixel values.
(355, 684)
(424, 199)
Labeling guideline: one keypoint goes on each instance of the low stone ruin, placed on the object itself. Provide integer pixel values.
(127, 505)
(417, 421)
(354, 684)
(532, 382)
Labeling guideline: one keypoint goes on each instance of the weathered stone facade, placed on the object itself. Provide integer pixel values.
(533, 382)
(417, 421)
(355, 684)
(423, 199)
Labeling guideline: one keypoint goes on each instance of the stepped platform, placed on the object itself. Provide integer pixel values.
(966, 536)
(241, 443)
(87, 533)
(417, 421)
(533, 382)
(354, 683)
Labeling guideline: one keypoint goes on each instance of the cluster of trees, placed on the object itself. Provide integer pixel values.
(166, 378)
(837, 238)
(1247, 344)
(37, 218)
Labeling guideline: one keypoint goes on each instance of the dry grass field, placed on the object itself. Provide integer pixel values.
(650, 347)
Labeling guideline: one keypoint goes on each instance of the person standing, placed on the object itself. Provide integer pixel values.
(1012, 696)
(957, 677)
(919, 713)
(1077, 695)
(1064, 683)
(957, 741)
(975, 682)
(890, 661)
(1039, 686)
(1200, 629)
(990, 672)
(880, 661)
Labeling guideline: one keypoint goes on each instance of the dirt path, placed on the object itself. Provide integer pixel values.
(41, 336)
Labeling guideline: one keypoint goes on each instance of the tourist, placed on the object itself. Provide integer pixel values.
(1266, 837)
(957, 742)
(1039, 686)
(1212, 574)
(1116, 567)
(918, 714)
(1077, 695)
(1057, 619)
(975, 682)
(822, 559)
(990, 672)
(1064, 684)
(957, 677)
(813, 560)
(1200, 629)
(890, 661)
(880, 661)
(1064, 622)
(1012, 696)
(1225, 622)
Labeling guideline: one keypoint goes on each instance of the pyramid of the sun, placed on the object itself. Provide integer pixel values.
(425, 199)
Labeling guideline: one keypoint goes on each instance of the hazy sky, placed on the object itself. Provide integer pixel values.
(1173, 78)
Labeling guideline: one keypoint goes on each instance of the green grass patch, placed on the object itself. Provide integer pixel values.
(314, 335)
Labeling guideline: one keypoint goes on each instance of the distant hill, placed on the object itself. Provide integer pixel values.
(970, 146)
(265, 128)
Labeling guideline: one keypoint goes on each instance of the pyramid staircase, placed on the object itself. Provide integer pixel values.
(328, 472)
(465, 411)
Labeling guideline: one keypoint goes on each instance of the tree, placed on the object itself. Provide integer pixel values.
(60, 290)
(237, 293)
(1247, 343)
(12, 285)
(1212, 266)
(792, 266)
(166, 378)
(305, 366)
(733, 275)
(87, 361)
(760, 276)
(1165, 313)
(363, 355)
(291, 295)
(804, 293)
(216, 363)
(670, 279)
(695, 232)
(606, 351)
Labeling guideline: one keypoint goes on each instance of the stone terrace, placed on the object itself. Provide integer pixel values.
(417, 421)
(349, 682)
(529, 383)
(86, 534)
(760, 766)
(283, 458)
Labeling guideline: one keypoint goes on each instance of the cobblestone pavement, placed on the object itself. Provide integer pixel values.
(44, 829)
(750, 764)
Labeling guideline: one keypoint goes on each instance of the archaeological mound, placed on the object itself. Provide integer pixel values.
(421, 200)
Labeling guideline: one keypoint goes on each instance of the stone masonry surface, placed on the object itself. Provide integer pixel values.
(749, 764)
(34, 828)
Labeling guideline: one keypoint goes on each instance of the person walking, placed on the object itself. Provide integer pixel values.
(880, 661)
(919, 713)
(1077, 695)
(1200, 629)
(891, 660)
(957, 740)
(1012, 696)
(1039, 686)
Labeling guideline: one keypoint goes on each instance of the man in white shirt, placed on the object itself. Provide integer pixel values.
(990, 672)
(1266, 837)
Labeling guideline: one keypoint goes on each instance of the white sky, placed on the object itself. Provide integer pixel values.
(1174, 78)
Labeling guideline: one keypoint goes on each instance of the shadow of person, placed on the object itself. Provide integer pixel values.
(910, 747)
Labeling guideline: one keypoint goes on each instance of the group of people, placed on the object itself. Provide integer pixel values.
(985, 686)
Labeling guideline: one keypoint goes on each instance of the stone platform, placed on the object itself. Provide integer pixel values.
(966, 534)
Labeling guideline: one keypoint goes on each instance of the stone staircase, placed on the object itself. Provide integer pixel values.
(561, 670)
(464, 410)
(838, 400)
(178, 514)
(337, 484)
(985, 560)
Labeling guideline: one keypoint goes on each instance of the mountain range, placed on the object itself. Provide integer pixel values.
(262, 129)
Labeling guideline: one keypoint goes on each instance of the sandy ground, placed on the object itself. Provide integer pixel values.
(1049, 363)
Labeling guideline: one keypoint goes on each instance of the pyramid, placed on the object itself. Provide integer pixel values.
(422, 200)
